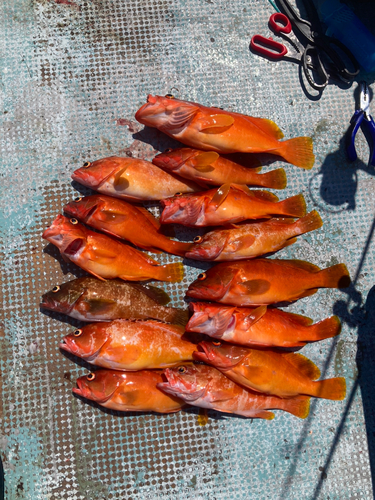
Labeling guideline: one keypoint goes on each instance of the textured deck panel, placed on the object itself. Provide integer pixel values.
(71, 73)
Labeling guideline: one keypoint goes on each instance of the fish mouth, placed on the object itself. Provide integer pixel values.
(202, 355)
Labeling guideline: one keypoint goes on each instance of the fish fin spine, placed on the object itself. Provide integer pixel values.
(298, 152)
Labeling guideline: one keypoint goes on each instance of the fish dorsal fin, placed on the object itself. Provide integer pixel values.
(120, 182)
(154, 221)
(220, 196)
(256, 287)
(301, 320)
(216, 124)
(264, 195)
(303, 364)
(255, 316)
(100, 305)
(157, 294)
(267, 126)
(203, 161)
(180, 116)
(302, 264)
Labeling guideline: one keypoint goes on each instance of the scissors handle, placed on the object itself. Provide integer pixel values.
(279, 23)
(268, 47)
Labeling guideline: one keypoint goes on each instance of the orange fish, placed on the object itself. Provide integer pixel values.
(130, 345)
(119, 218)
(206, 387)
(105, 257)
(265, 281)
(285, 375)
(207, 167)
(131, 179)
(213, 129)
(252, 240)
(127, 391)
(230, 203)
(259, 326)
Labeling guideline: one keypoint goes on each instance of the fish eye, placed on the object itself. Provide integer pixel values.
(169, 96)
(202, 276)
(197, 239)
(77, 332)
(87, 164)
(78, 199)
(90, 376)
(181, 369)
(168, 150)
(73, 221)
(179, 194)
(55, 288)
(216, 342)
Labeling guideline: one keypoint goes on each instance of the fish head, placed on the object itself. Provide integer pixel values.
(166, 113)
(67, 234)
(99, 385)
(220, 354)
(63, 298)
(207, 247)
(173, 159)
(210, 319)
(95, 173)
(212, 284)
(182, 208)
(86, 342)
(187, 381)
(83, 207)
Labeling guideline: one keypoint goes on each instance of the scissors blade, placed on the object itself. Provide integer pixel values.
(364, 98)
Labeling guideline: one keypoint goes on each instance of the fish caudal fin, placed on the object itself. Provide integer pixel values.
(276, 179)
(332, 388)
(171, 272)
(294, 206)
(325, 329)
(309, 222)
(299, 407)
(335, 277)
(298, 152)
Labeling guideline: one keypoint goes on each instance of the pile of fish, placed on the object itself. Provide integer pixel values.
(152, 357)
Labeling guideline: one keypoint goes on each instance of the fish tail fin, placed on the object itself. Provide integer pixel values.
(299, 407)
(325, 329)
(298, 152)
(332, 388)
(276, 179)
(335, 277)
(171, 272)
(294, 206)
(178, 316)
(309, 222)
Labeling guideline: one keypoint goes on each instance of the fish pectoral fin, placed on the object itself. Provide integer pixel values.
(220, 196)
(256, 287)
(216, 124)
(120, 182)
(245, 242)
(109, 216)
(100, 305)
(102, 256)
(303, 364)
(156, 294)
(202, 162)
(180, 116)
(255, 316)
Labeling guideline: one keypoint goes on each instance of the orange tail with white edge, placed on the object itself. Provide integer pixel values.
(298, 152)
(335, 277)
(332, 388)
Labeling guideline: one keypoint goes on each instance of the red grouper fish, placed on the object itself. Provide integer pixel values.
(91, 299)
(247, 241)
(130, 345)
(213, 129)
(131, 179)
(265, 281)
(230, 203)
(105, 257)
(208, 167)
(285, 375)
(127, 391)
(259, 326)
(206, 387)
(123, 220)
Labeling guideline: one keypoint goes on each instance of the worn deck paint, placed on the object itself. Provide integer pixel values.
(73, 73)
